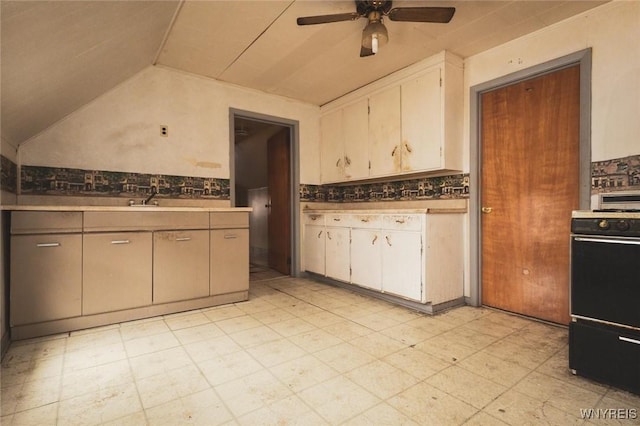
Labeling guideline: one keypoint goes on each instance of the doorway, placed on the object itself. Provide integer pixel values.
(532, 168)
(263, 177)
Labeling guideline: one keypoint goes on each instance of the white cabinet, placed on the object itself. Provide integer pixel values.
(415, 256)
(314, 243)
(422, 122)
(337, 253)
(366, 250)
(344, 150)
(407, 123)
(385, 132)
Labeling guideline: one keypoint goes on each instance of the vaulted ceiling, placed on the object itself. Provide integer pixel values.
(57, 56)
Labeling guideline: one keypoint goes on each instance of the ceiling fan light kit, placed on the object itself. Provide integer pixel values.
(375, 33)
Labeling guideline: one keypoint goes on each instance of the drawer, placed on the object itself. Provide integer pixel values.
(366, 221)
(144, 221)
(224, 220)
(403, 222)
(23, 222)
(313, 219)
(337, 219)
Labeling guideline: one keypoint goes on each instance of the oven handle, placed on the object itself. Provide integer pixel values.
(607, 240)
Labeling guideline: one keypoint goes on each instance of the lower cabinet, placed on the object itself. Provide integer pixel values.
(229, 261)
(314, 243)
(366, 258)
(402, 264)
(180, 265)
(337, 262)
(46, 277)
(117, 271)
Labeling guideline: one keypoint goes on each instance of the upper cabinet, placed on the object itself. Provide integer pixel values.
(407, 123)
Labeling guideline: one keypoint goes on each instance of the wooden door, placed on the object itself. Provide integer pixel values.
(279, 184)
(530, 185)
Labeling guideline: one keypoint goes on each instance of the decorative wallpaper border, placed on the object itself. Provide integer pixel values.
(619, 174)
(8, 175)
(441, 187)
(38, 180)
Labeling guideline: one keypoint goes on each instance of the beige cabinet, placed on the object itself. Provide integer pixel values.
(180, 265)
(117, 271)
(229, 261)
(46, 277)
(332, 157)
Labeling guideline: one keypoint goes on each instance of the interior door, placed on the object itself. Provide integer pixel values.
(279, 221)
(530, 185)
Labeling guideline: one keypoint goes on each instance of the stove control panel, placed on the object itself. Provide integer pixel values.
(624, 227)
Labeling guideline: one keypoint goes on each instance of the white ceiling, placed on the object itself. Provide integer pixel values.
(56, 56)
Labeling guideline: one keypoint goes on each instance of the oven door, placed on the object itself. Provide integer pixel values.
(605, 279)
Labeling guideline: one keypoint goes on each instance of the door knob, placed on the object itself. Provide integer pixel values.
(486, 210)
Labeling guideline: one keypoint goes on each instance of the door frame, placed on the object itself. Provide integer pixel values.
(583, 59)
(294, 169)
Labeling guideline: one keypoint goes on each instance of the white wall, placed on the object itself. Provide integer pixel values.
(120, 131)
(613, 33)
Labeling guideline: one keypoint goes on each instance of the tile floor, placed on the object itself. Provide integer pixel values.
(305, 353)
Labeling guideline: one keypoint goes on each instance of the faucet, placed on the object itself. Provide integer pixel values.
(153, 194)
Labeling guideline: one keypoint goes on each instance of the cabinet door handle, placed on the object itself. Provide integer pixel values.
(328, 235)
(375, 238)
(338, 162)
(319, 234)
(120, 241)
(230, 236)
(388, 241)
(183, 239)
(347, 160)
(406, 145)
(626, 339)
(393, 153)
(48, 245)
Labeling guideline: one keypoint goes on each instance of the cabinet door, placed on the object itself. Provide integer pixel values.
(355, 124)
(46, 277)
(180, 265)
(402, 264)
(384, 132)
(314, 244)
(366, 255)
(337, 254)
(422, 123)
(332, 147)
(117, 271)
(229, 261)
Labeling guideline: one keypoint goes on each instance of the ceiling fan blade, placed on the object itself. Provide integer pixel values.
(364, 52)
(422, 14)
(325, 19)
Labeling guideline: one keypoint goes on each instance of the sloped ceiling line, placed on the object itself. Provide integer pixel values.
(168, 32)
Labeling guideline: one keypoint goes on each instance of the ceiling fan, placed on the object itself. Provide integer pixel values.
(375, 33)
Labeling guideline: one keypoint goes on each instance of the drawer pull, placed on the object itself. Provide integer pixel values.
(120, 242)
(336, 219)
(365, 220)
(626, 339)
(48, 245)
(230, 236)
(399, 220)
(183, 239)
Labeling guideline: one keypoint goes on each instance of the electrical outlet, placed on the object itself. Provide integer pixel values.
(164, 131)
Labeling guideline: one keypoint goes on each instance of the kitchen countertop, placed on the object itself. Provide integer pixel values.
(124, 209)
